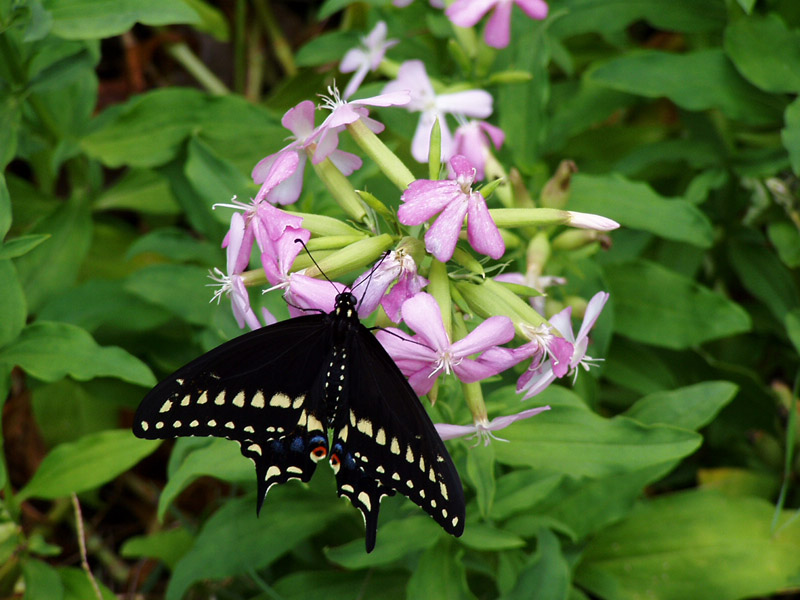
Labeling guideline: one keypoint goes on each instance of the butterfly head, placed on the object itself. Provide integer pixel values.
(346, 304)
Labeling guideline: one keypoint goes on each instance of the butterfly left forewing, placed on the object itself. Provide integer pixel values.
(384, 441)
(261, 389)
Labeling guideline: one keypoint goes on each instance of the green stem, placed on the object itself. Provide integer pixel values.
(341, 189)
(240, 46)
(439, 288)
(189, 61)
(387, 161)
(280, 45)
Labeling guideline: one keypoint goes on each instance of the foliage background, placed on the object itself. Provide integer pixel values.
(670, 472)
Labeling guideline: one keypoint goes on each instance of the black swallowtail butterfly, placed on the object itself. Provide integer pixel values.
(278, 390)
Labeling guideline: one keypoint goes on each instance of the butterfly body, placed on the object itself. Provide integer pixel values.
(279, 390)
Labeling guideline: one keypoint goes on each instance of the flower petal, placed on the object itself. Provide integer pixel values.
(535, 9)
(422, 314)
(498, 29)
(442, 237)
(447, 431)
(491, 332)
(593, 310)
(503, 422)
(562, 352)
(300, 120)
(473, 103)
(482, 232)
(424, 198)
(466, 13)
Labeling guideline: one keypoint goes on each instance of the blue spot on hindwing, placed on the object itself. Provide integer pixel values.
(298, 445)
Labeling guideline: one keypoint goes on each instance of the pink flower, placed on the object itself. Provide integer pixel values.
(454, 200)
(231, 283)
(399, 267)
(280, 169)
(473, 140)
(483, 429)
(365, 58)
(539, 283)
(466, 13)
(404, 3)
(276, 232)
(413, 78)
(300, 121)
(344, 113)
(425, 356)
(566, 353)
(306, 294)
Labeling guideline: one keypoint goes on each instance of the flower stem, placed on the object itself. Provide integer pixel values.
(341, 189)
(387, 161)
(439, 288)
(183, 54)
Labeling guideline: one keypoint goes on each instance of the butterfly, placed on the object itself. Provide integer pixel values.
(312, 388)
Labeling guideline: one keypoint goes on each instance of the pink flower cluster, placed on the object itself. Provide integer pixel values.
(444, 207)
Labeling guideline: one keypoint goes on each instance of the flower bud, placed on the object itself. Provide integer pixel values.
(555, 193)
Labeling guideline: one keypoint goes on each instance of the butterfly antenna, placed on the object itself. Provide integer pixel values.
(302, 243)
(368, 278)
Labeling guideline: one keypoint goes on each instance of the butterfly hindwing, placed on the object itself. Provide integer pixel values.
(384, 441)
(261, 389)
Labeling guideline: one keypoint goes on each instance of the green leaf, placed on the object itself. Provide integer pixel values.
(5, 390)
(667, 546)
(181, 289)
(10, 118)
(592, 16)
(486, 538)
(12, 304)
(785, 237)
(480, 470)
(219, 458)
(148, 129)
(41, 581)
(792, 323)
(583, 507)
(548, 572)
(167, 546)
(50, 351)
(78, 587)
(5, 203)
(141, 190)
(55, 264)
(405, 536)
(178, 245)
(234, 541)
(212, 20)
(440, 574)
(762, 274)
(766, 52)
(699, 80)
(326, 47)
(339, 585)
(94, 19)
(790, 135)
(214, 180)
(21, 245)
(636, 205)
(659, 307)
(691, 407)
(86, 464)
(562, 438)
(520, 490)
(522, 106)
(87, 307)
